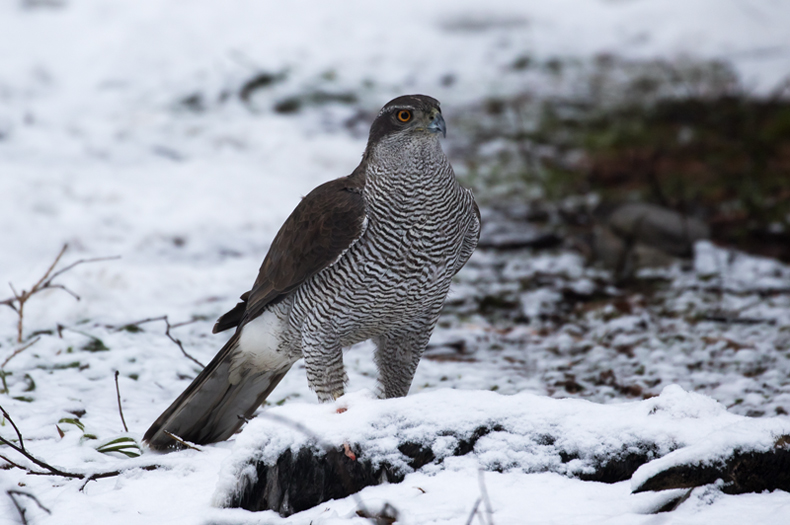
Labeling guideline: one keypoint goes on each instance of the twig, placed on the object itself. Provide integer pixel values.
(54, 471)
(20, 350)
(18, 433)
(167, 333)
(15, 465)
(484, 495)
(17, 302)
(120, 409)
(737, 320)
(474, 511)
(178, 342)
(11, 493)
(717, 289)
(183, 441)
(85, 483)
(42, 464)
(19, 508)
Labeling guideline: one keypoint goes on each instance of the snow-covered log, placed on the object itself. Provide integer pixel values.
(741, 463)
(295, 457)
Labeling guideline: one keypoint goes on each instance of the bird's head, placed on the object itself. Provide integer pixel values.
(408, 119)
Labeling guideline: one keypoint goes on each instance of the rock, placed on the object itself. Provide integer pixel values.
(511, 229)
(640, 235)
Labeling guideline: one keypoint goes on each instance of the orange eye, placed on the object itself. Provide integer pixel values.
(404, 116)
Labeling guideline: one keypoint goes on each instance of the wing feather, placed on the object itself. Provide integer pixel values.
(324, 225)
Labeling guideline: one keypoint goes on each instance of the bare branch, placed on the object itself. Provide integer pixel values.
(167, 333)
(17, 302)
(16, 429)
(11, 493)
(120, 409)
(484, 495)
(19, 508)
(16, 295)
(734, 319)
(138, 323)
(54, 471)
(61, 287)
(51, 267)
(178, 342)
(15, 465)
(19, 351)
(474, 511)
(38, 462)
(184, 442)
(77, 263)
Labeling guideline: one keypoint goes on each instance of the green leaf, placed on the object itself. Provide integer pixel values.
(3, 375)
(124, 445)
(72, 421)
(95, 345)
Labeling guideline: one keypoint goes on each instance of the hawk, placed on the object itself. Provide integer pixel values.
(369, 256)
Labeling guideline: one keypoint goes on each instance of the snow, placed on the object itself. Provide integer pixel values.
(99, 149)
(535, 429)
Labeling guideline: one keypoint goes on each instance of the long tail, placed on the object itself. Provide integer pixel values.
(212, 409)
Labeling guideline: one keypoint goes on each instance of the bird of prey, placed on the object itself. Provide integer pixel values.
(367, 256)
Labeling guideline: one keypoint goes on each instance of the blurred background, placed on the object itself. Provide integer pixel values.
(599, 101)
(632, 159)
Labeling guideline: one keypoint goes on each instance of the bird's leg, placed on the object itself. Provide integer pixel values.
(323, 359)
(397, 357)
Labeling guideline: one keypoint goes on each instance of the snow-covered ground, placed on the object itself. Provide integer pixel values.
(122, 132)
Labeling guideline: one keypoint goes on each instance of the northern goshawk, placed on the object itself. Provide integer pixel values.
(367, 256)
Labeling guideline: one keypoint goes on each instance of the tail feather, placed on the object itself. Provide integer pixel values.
(212, 409)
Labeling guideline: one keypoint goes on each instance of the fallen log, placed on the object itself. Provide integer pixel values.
(310, 454)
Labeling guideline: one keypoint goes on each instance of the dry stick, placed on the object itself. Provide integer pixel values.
(15, 465)
(167, 333)
(19, 351)
(474, 511)
(53, 471)
(45, 283)
(178, 342)
(183, 441)
(18, 433)
(120, 409)
(46, 466)
(19, 508)
(11, 493)
(484, 495)
(24, 296)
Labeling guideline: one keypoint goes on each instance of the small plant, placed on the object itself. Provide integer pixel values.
(123, 445)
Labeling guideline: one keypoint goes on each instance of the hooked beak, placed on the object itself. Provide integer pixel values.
(437, 125)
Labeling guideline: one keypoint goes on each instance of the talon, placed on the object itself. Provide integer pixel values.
(340, 410)
(348, 452)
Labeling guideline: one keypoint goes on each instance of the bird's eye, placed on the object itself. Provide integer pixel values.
(404, 116)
